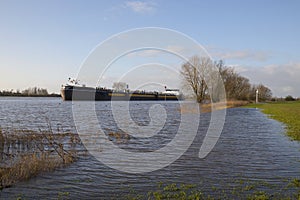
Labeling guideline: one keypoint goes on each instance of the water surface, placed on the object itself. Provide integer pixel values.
(252, 147)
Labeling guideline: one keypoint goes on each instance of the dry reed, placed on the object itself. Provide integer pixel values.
(25, 154)
(208, 107)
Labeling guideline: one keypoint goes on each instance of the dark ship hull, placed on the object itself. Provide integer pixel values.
(69, 93)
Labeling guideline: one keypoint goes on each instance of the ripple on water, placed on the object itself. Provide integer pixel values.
(251, 147)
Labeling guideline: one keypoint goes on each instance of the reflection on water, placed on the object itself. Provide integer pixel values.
(251, 147)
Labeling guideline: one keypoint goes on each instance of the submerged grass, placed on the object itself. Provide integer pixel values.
(25, 154)
(243, 189)
(29, 166)
(286, 112)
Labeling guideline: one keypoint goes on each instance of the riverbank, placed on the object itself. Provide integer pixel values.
(26, 95)
(208, 107)
(287, 112)
(222, 105)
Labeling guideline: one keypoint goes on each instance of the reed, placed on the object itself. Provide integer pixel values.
(208, 107)
(25, 154)
(119, 137)
(28, 166)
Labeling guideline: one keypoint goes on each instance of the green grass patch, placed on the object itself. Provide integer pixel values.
(243, 189)
(286, 112)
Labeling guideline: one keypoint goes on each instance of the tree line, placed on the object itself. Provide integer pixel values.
(32, 91)
(212, 80)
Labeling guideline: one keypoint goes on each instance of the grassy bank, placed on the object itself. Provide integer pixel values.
(286, 112)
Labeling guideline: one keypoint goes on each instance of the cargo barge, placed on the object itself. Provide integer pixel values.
(75, 91)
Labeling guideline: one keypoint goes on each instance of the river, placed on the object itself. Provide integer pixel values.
(252, 147)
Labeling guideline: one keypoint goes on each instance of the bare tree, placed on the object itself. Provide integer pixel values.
(194, 73)
(120, 86)
(35, 91)
(264, 93)
(205, 77)
(236, 86)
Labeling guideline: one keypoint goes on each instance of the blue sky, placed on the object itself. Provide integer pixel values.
(42, 43)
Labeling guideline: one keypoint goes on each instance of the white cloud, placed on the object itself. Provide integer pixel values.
(282, 79)
(287, 89)
(224, 54)
(239, 69)
(141, 6)
(245, 54)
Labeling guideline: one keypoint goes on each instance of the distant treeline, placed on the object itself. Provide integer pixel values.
(30, 92)
(287, 98)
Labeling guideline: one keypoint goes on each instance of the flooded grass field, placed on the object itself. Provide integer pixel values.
(286, 112)
(252, 159)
